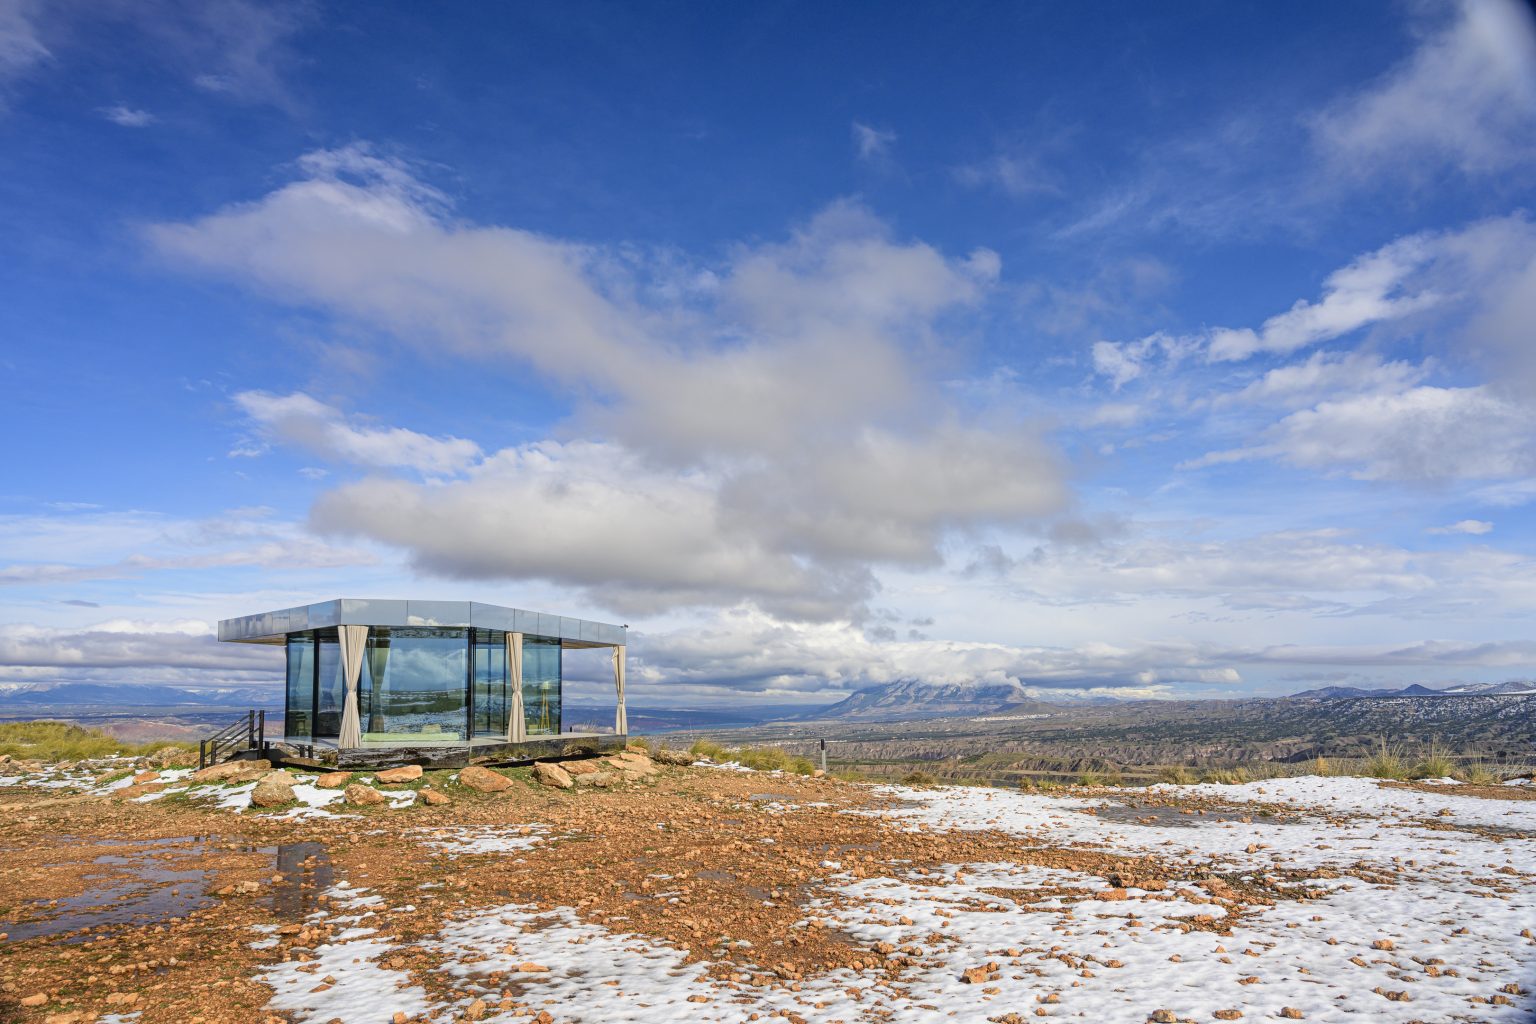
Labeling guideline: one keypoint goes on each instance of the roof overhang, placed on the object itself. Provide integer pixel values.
(273, 627)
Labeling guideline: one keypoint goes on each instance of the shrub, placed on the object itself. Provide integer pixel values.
(1434, 765)
(1090, 779)
(60, 741)
(1176, 774)
(1227, 776)
(1386, 763)
(1478, 773)
(917, 778)
(1321, 766)
(709, 749)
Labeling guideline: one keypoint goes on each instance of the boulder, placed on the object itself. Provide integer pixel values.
(395, 776)
(579, 768)
(432, 798)
(597, 780)
(274, 790)
(678, 757)
(173, 757)
(333, 780)
(483, 779)
(143, 777)
(228, 770)
(141, 789)
(552, 775)
(360, 795)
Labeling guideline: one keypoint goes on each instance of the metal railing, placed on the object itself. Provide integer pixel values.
(248, 733)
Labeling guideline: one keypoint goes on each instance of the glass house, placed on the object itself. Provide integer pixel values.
(455, 680)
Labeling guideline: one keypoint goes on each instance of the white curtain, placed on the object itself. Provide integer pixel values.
(516, 727)
(353, 639)
(620, 718)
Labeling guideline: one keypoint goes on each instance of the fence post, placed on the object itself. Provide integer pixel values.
(261, 732)
(202, 754)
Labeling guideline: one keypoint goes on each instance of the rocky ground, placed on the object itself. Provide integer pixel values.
(631, 890)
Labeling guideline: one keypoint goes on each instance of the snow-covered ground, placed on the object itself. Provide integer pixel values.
(1385, 904)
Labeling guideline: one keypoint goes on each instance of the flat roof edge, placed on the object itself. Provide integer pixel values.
(271, 627)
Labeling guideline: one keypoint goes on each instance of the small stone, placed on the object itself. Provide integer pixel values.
(475, 1010)
(433, 798)
(334, 780)
(1228, 1014)
(552, 775)
(483, 779)
(1163, 1017)
(681, 758)
(395, 776)
(1382, 944)
(36, 999)
(400, 1017)
(360, 795)
(532, 968)
(143, 777)
(1291, 1013)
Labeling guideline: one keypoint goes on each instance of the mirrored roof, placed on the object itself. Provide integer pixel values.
(273, 627)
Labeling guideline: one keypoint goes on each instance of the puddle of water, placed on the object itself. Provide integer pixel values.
(162, 886)
(306, 872)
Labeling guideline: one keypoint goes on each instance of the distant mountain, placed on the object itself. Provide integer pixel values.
(143, 695)
(1513, 688)
(911, 699)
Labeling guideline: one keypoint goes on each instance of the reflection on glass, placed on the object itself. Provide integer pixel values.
(490, 683)
(301, 686)
(415, 681)
(331, 689)
(541, 686)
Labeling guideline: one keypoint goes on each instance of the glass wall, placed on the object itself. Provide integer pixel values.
(541, 686)
(298, 720)
(330, 691)
(416, 683)
(488, 686)
(421, 685)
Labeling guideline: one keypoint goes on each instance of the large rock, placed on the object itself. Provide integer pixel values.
(597, 780)
(173, 757)
(230, 770)
(274, 790)
(575, 769)
(552, 775)
(677, 757)
(137, 790)
(483, 779)
(634, 767)
(395, 776)
(333, 780)
(360, 795)
(432, 797)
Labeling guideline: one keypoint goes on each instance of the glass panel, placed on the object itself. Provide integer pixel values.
(330, 690)
(490, 683)
(300, 705)
(541, 686)
(416, 685)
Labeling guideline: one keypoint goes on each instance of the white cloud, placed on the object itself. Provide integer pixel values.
(1465, 98)
(873, 144)
(50, 550)
(128, 117)
(767, 429)
(323, 430)
(1015, 174)
(1476, 527)
(21, 46)
(123, 650)
(1367, 291)
(1423, 433)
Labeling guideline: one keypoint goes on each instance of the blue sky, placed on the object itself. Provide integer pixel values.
(1157, 350)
